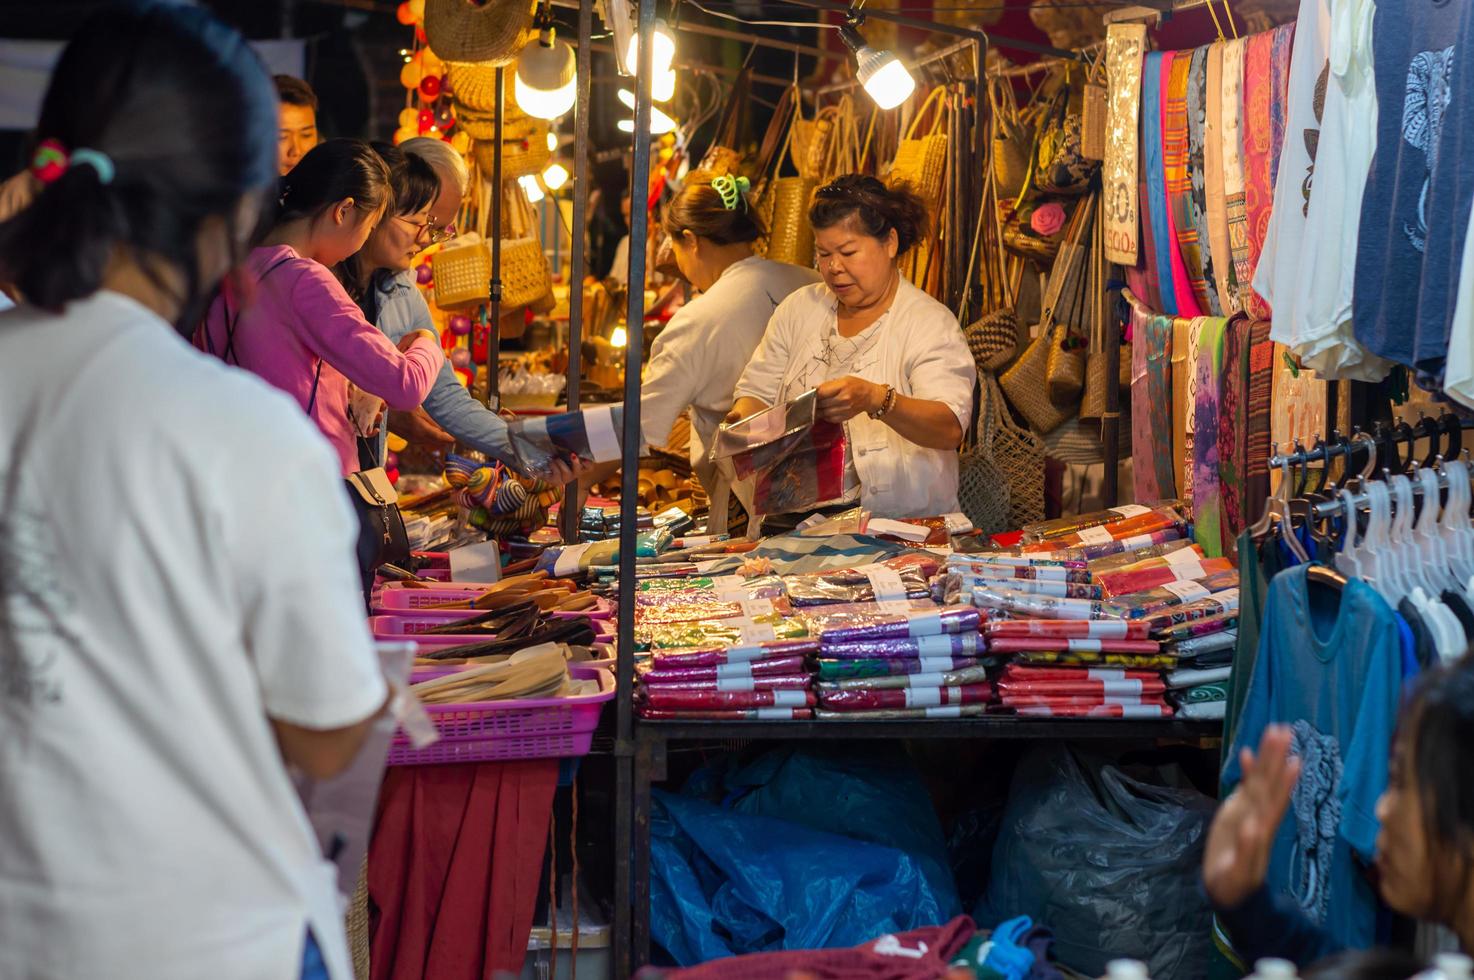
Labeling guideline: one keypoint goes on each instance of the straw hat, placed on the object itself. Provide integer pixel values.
(465, 30)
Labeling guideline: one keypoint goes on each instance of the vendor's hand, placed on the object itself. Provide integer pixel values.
(1241, 837)
(566, 471)
(844, 398)
(409, 339)
(417, 427)
(743, 407)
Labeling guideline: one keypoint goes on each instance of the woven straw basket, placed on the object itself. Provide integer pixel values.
(463, 274)
(492, 31)
(785, 209)
(1027, 383)
(520, 158)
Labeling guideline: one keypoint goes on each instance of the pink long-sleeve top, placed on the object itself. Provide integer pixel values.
(299, 316)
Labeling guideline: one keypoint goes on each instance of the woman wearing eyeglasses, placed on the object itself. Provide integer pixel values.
(887, 360)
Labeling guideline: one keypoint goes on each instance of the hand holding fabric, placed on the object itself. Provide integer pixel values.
(843, 398)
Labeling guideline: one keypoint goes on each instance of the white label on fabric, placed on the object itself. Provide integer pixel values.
(1229, 599)
(928, 698)
(700, 541)
(933, 665)
(598, 427)
(1186, 591)
(957, 523)
(1106, 674)
(753, 608)
(568, 559)
(895, 608)
(734, 671)
(925, 623)
(775, 714)
(936, 679)
(950, 711)
(886, 582)
(743, 654)
(724, 583)
(702, 567)
(790, 699)
(732, 595)
(931, 646)
(1044, 573)
(1120, 688)
(1106, 629)
(969, 642)
(1187, 571)
(1083, 646)
(736, 684)
(1184, 556)
(756, 633)
(1131, 510)
(1095, 535)
(898, 529)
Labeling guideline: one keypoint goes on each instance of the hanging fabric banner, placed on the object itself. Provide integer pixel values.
(1125, 44)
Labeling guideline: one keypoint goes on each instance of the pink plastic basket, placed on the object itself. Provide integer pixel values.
(544, 728)
(391, 598)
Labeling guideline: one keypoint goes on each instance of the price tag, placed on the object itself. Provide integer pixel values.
(934, 645)
(790, 699)
(933, 665)
(1131, 510)
(726, 583)
(1188, 571)
(754, 608)
(1186, 591)
(949, 711)
(737, 671)
(736, 683)
(1106, 674)
(1184, 556)
(1095, 535)
(1229, 599)
(774, 714)
(568, 559)
(743, 654)
(924, 698)
(751, 633)
(1083, 646)
(702, 567)
(895, 608)
(925, 623)
(886, 582)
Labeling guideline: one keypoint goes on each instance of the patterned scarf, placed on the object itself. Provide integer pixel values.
(1231, 107)
(1220, 269)
(1207, 405)
(1256, 436)
(1124, 46)
(1158, 227)
(1151, 403)
(1258, 161)
(1187, 273)
(1193, 353)
(1205, 288)
(1233, 426)
(1279, 101)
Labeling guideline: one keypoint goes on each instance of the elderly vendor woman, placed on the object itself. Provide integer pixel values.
(887, 360)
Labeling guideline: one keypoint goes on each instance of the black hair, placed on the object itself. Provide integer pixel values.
(185, 112)
(1366, 964)
(875, 209)
(294, 91)
(415, 186)
(699, 209)
(1433, 759)
(333, 171)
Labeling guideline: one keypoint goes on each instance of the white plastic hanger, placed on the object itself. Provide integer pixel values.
(1349, 561)
(1381, 571)
(1430, 545)
(1455, 527)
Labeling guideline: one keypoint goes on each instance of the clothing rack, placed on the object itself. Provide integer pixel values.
(1362, 498)
(1383, 440)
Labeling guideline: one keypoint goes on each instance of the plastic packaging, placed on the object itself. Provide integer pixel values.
(979, 693)
(1054, 552)
(684, 608)
(960, 565)
(1041, 607)
(1099, 527)
(708, 700)
(731, 714)
(902, 577)
(833, 670)
(775, 682)
(1195, 619)
(941, 679)
(738, 632)
(1020, 644)
(594, 434)
(1067, 629)
(858, 622)
(1156, 572)
(902, 714)
(1221, 588)
(740, 672)
(1112, 864)
(794, 458)
(944, 644)
(962, 587)
(1071, 709)
(716, 654)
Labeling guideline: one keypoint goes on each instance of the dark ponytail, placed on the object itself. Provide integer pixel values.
(331, 172)
(184, 113)
(876, 209)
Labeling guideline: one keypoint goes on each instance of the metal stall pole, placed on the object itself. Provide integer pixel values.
(569, 516)
(624, 784)
(494, 340)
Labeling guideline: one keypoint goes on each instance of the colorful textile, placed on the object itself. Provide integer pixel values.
(905, 648)
(1231, 100)
(722, 700)
(1081, 658)
(1183, 244)
(1233, 427)
(1156, 220)
(1067, 629)
(1205, 288)
(932, 697)
(731, 714)
(833, 670)
(1215, 207)
(1256, 435)
(1151, 404)
(1281, 49)
(1189, 407)
(1124, 46)
(956, 677)
(1085, 708)
(1258, 160)
(1044, 644)
(594, 434)
(1207, 495)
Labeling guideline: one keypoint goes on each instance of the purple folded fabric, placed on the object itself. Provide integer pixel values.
(945, 644)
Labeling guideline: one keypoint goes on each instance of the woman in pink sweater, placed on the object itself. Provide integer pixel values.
(295, 326)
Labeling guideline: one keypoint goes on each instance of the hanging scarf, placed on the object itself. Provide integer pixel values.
(1159, 229)
(1279, 101)
(1207, 404)
(1184, 242)
(1232, 107)
(1258, 159)
(1256, 438)
(1124, 46)
(1233, 426)
(1151, 403)
(1220, 272)
(1200, 257)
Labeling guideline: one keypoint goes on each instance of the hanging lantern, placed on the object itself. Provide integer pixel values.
(430, 87)
(460, 358)
(405, 14)
(408, 118)
(425, 121)
(409, 75)
(416, 10)
(460, 325)
(405, 133)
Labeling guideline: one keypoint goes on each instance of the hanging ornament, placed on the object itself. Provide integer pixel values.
(460, 325)
(420, 34)
(424, 275)
(408, 118)
(391, 460)
(417, 10)
(431, 63)
(445, 118)
(430, 87)
(464, 377)
(405, 133)
(460, 358)
(405, 14)
(425, 121)
(409, 75)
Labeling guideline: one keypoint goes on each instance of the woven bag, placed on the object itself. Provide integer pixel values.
(1097, 374)
(1027, 382)
(1065, 374)
(520, 158)
(723, 157)
(921, 158)
(1060, 165)
(993, 339)
(463, 274)
(809, 142)
(1020, 455)
(490, 31)
(1013, 141)
(525, 276)
(982, 486)
(790, 236)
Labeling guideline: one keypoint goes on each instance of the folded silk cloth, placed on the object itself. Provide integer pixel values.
(1179, 679)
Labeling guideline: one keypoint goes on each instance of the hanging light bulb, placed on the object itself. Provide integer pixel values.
(618, 337)
(552, 142)
(546, 80)
(663, 85)
(881, 73)
(530, 185)
(555, 177)
(662, 51)
(660, 123)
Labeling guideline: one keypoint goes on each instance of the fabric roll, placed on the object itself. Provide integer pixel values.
(1183, 245)
(1231, 109)
(1216, 204)
(1156, 221)
(1124, 46)
(1255, 130)
(1200, 266)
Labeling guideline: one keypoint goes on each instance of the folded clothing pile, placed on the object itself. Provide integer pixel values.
(906, 576)
(771, 680)
(1199, 694)
(1078, 669)
(600, 523)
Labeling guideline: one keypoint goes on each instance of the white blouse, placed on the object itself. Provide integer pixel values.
(917, 348)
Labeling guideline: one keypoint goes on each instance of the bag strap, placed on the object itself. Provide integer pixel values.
(778, 128)
(316, 378)
(228, 355)
(932, 100)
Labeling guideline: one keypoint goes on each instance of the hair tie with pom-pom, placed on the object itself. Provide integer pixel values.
(51, 160)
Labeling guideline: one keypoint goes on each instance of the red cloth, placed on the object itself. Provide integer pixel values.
(454, 868)
(868, 962)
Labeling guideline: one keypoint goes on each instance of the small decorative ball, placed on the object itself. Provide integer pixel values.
(409, 75)
(424, 275)
(404, 14)
(460, 325)
(409, 117)
(480, 517)
(460, 357)
(445, 118)
(405, 133)
(417, 8)
(425, 119)
(511, 496)
(430, 87)
(391, 460)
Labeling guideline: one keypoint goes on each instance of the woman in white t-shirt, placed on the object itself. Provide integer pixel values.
(887, 360)
(180, 616)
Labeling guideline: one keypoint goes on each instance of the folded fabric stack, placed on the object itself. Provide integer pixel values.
(906, 576)
(1199, 694)
(771, 680)
(909, 659)
(1078, 668)
(602, 523)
